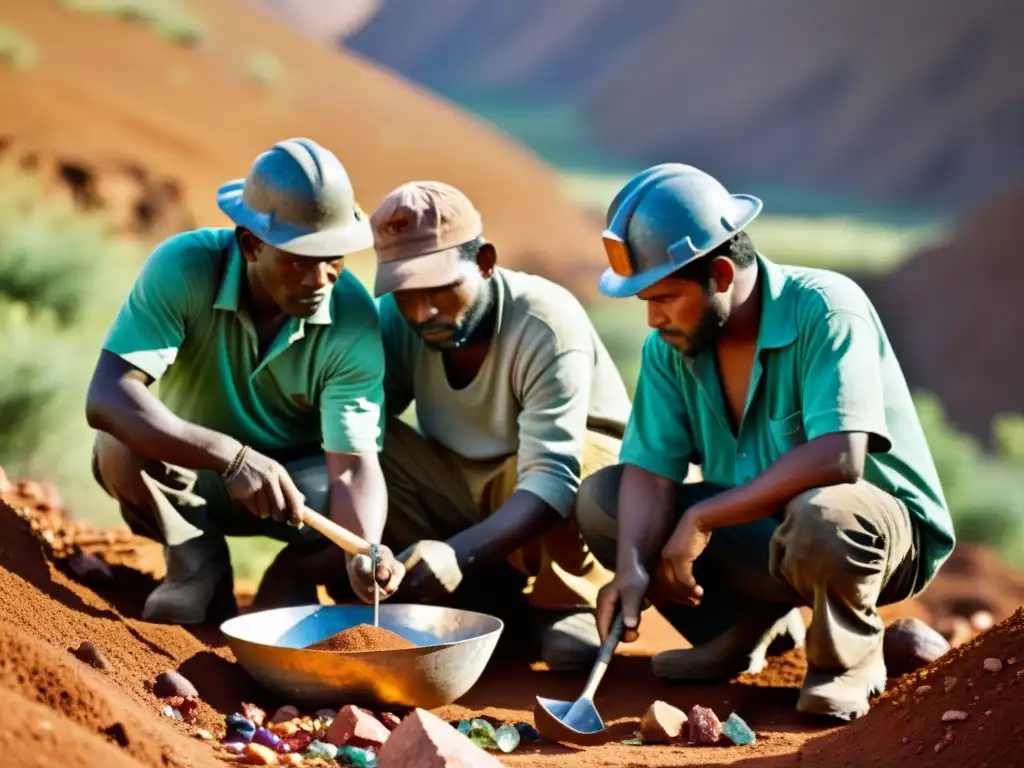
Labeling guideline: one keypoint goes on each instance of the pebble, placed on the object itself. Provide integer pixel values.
(909, 644)
(186, 706)
(390, 720)
(954, 716)
(260, 755)
(322, 749)
(1012, 660)
(89, 569)
(703, 726)
(662, 723)
(91, 655)
(253, 714)
(527, 732)
(993, 665)
(507, 738)
(329, 714)
(292, 759)
(949, 684)
(981, 620)
(172, 683)
(266, 738)
(284, 714)
(945, 741)
(234, 747)
(737, 731)
(923, 690)
(203, 734)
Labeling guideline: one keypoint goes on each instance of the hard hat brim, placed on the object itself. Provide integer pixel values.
(336, 241)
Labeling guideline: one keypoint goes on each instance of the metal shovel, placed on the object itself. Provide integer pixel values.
(578, 722)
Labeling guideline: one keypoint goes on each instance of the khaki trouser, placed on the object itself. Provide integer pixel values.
(434, 493)
(842, 550)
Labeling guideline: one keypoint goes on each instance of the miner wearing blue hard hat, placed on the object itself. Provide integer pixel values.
(818, 488)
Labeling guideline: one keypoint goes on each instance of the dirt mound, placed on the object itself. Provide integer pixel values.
(196, 116)
(906, 725)
(956, 302)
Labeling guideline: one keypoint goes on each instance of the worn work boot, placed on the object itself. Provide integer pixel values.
(843, 695)
(741, 648)
(569, 640)
(198, 586)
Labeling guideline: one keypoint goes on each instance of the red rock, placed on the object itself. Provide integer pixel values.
(993, 665)
(91, 655)
(703, 726)
(298, 741)
(254, 714)
(390, 720)
(89, 569)
(284, 714)
(173, 683)
(910, 644)
(187, 705)
(662, 723)
(424, 740)
(358, 728)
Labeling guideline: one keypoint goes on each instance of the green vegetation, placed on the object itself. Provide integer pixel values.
(16, 50)
(62, 275)
(263, 67)
(171, 19)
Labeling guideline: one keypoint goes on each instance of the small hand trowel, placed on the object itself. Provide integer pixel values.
(578, 722)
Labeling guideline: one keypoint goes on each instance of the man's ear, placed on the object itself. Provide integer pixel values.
(723, 273)
(248, 243)
(486, 259)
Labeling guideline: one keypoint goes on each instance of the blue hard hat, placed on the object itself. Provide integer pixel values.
(662, 219)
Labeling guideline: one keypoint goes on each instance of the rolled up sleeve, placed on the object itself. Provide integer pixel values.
(658, 436)
(150, 326)
(842, 379)
(552, 428)
(352, 402)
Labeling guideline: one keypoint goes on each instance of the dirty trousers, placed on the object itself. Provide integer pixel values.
(192, 510)
(842, 550)
(434, 493)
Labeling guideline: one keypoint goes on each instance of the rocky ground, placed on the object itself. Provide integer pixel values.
(64, 584)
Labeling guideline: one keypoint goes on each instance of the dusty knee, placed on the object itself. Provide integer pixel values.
(596, 512)
(118, 469)
(822, 541)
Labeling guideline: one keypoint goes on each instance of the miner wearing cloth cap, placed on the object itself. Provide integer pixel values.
(268, 361)
(818, 486)
(516, 399)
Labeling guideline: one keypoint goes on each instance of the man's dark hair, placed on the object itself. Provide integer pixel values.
(739, 248)
(469, 250)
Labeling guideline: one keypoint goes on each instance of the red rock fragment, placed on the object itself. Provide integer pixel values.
(298, 741)
(910, 644)
(91, 655)
(188, 706)
(662, 723)
(253, 714)
(424, 740)
(284, 714)
(390, 720)
(356, 727)
(89, 569)
(173, 683)
(703, 726)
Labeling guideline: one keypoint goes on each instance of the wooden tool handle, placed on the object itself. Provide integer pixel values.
(343, 537)
(605, 655)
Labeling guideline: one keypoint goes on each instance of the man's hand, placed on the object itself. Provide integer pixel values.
(266, 489)
(432, 570)
(683, 548)
(626, 591)
(389, 574)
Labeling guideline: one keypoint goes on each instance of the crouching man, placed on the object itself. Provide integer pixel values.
(818, 485)
(516, 399)
(270, 371)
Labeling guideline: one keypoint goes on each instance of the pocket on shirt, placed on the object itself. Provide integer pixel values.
(788, 432)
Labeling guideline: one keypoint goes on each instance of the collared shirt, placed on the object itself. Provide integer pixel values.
(546, 378)
(823, 364)
(320, 383)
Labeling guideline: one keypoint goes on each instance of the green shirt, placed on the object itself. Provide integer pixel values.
(823, 365)
(319, 385)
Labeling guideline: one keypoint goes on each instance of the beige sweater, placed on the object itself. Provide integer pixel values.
(546, 379)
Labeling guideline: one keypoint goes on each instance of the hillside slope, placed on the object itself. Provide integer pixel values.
(107, 93)
(892, 101)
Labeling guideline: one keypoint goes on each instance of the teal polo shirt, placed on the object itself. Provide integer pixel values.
(320, 385)
(823, 365)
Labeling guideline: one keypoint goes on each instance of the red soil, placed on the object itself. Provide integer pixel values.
(93, 714)
(363, 637)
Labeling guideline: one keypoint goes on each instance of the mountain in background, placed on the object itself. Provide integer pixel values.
(899, 102)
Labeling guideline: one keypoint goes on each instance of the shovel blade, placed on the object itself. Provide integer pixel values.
(556, 720)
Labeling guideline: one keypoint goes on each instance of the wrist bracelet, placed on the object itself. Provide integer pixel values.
(236, 463)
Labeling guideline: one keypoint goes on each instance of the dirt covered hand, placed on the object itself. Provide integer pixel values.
(264, 487)
(361, 574)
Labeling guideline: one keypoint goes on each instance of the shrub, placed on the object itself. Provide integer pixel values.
(16, 50)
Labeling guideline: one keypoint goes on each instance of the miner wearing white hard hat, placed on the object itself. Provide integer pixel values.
(818, 488)
(269, 365)
(516, 399)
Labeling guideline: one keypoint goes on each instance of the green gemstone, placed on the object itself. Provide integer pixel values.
(356, 757)
(737, 731)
